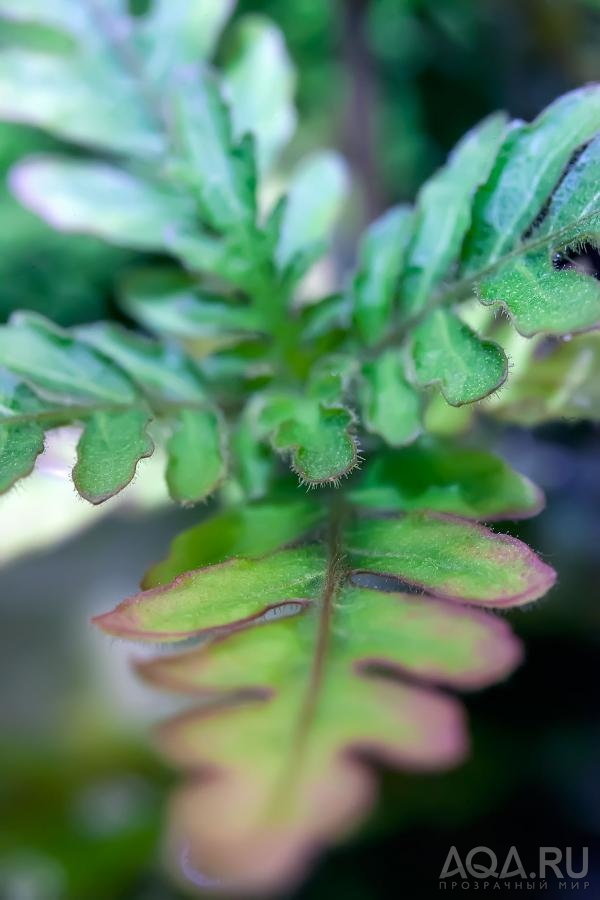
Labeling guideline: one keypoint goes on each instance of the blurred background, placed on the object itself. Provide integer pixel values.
(392, 84)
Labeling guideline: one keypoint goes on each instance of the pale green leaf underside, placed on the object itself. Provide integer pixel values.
(292, 695)
(99, 199)
(538, 297)
(527, 170)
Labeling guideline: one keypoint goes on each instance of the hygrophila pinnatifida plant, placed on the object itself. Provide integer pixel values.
(329, 628)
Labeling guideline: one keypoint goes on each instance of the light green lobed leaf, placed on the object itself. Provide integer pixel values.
(21, 435)
(260, 83)
(448, 557)
(381, 258)
(163, 372)
(315, 429)
(538, 297)
(444, 478)
(446, 352)
(196, 455)
(443, 213)
(527, 170)
(390, 405)
(288, 667)
(108, 452)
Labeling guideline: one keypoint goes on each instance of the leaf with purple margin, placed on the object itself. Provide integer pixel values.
(302, 672)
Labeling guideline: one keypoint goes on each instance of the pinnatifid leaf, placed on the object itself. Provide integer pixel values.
(292, 659)
(446, 352)
(113, 383)
(539, 288)
(21, 434)
(219, 170)
(528, 169)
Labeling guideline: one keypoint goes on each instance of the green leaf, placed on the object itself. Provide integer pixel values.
(539, 297)
(218, 171)
(161, 371)
(447, 353)
(527, 170)
(170, 304)
(443, 213)
(316, 194)
(72, 96)
(450, 559)
(380, 264)
(108, 452)
(196, 457)
(181, 32)
(91, 378)
(317, 434)
(292, 662)
(390, 406)
(252, 530)
(98, 199)
(260, 82)
(220, 596)
(443, 478)
(60, 366)
(21, 436)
